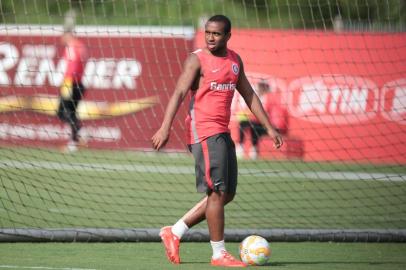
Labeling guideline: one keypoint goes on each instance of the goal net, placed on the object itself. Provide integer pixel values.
(331, 76)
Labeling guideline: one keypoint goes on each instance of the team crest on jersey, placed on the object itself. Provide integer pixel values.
(235, 68)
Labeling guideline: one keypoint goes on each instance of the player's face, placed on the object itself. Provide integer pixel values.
(65, 38)
(216, 39)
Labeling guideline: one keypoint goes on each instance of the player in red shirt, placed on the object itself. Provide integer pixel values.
(277, 114)
(212, 74)
(72, 89)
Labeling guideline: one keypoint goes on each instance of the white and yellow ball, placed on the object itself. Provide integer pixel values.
(255, 250)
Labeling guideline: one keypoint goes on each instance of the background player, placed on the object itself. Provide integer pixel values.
(277, 114)
(212, 74)
(72, 89)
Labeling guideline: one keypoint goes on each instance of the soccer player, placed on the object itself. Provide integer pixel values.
(212, 74)
(276, 113)
(72, 89)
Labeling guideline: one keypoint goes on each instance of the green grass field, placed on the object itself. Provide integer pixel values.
(121, 256)
(42, 188)
(115, 189)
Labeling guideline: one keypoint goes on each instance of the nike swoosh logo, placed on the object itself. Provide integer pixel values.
(215, 70)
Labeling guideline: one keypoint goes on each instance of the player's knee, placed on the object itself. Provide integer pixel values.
(220, 197)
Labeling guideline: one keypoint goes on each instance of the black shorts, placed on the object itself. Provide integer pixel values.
(67, 107)
(215, 164)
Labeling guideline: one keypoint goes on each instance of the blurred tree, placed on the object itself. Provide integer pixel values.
(292, 14)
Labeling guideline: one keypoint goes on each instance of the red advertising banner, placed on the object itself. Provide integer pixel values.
(130, 75)
(345, 93)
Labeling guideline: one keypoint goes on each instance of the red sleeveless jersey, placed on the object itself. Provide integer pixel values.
(75, 56)
(210, 105)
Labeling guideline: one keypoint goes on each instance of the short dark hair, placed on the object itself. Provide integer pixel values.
(223, 19)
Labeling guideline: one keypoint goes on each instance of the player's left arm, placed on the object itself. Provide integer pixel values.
(254, 104)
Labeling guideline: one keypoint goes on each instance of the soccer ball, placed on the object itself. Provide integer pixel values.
(255, 250)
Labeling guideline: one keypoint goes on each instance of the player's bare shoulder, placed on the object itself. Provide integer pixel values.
(240, 61)
(193, 60)
(193, 67)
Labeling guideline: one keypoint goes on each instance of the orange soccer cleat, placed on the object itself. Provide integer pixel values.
(171, 243)
(227, 260)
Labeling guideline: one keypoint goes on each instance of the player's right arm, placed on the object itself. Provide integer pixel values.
(191, 70)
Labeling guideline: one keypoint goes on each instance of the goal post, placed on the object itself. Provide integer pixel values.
(335, 83)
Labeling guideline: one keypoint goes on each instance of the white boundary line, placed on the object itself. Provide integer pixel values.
(305, 175)
(186, 32)
(42, 267)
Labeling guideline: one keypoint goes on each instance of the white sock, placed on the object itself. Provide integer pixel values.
(180, 228)
(217, 247)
